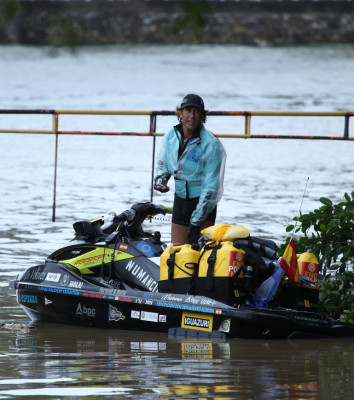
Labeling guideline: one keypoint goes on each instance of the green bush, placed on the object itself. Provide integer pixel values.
(9, 10)
(193, 18)
(328, 232)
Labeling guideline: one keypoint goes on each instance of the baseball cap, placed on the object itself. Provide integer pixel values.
(193, 100)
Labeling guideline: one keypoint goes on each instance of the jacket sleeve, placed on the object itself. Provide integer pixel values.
(162, 163)
(212, 184)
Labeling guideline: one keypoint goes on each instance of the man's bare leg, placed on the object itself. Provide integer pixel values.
(179, 233)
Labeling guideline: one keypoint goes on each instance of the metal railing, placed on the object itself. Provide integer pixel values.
(152, 128)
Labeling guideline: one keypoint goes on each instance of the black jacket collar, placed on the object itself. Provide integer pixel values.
(196, 133)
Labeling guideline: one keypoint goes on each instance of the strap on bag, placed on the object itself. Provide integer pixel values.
(171, 263)
(210, 273)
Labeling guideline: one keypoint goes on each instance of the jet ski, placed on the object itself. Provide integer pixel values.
(110, 275)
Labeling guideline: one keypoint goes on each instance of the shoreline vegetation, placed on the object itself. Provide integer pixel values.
(73, 23)
(328, 232)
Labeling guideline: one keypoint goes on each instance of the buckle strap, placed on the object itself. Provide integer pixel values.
(171, 263)
(210, 273)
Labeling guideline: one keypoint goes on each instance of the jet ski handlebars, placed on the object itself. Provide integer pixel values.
(128, 223)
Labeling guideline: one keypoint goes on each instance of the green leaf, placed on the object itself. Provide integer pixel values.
(326, 201)
(289, 228)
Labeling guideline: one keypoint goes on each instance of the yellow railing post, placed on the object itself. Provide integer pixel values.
(248, 125)
(55, 131)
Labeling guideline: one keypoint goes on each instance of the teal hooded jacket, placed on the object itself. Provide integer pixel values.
(198, 168)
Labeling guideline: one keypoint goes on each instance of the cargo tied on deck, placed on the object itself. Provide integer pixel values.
(115, 275)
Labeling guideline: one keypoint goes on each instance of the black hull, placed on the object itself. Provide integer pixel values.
(176, 314)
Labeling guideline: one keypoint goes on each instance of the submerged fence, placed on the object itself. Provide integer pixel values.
(246, 134)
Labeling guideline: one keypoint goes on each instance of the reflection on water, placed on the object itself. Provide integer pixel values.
(64, 361)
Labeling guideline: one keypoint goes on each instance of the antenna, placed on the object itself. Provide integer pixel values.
(303, 195)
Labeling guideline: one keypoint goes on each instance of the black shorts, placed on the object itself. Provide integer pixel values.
(183, 210)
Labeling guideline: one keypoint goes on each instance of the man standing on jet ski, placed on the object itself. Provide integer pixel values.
(196, 159)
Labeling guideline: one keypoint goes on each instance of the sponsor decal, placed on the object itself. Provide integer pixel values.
(47, 302)
(60, 291)
(171, 297)
(149, 316)
(149, 302)
(142, 275)
(225, 326)
(162, 318)
(85, 311)
(28, 298)
(37, 275)
(94, 295)
(193, 300)
(309, 271)
(114, 314)
(123, 246)
(109, 291)
(64, 280)
(76, 284)
(312, 267)
(185, 307)
(93, 259)
(237, 259)
(193, 155)
(218, 311)
(76, 252)
(114, 283)
(123, 298)
(317, 320)
(197, 321)
(148, 295)
(52, 277)
(135, 314)
(145, 248)
(207, 302)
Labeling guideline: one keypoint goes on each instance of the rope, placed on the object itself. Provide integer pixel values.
(161, 219)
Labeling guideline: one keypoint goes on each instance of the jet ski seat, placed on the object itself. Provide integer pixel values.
(89, 230)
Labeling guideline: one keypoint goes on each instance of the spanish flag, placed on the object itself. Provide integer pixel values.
(289, 261)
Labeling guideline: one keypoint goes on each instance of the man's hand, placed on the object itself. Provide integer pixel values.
(193, 233)
(161, 184)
